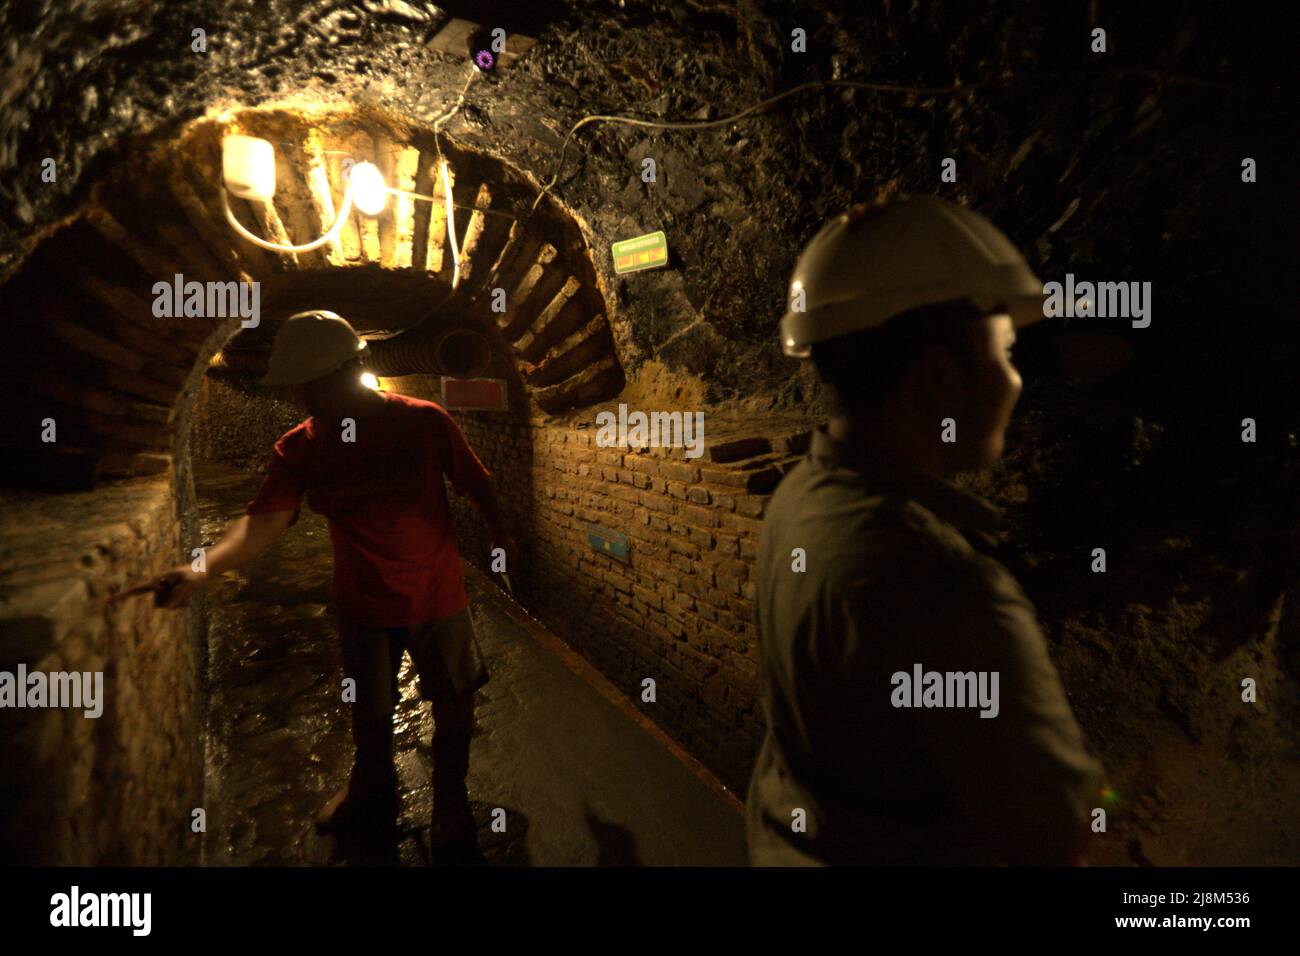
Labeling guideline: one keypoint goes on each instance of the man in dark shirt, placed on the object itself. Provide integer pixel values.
(874, 575)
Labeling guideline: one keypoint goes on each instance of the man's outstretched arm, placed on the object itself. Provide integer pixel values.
(244, 541)
(485, 499)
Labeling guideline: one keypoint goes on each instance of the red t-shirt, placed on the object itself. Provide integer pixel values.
(396, 563)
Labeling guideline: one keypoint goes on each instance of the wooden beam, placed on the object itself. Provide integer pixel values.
(322, 196)
(406, 167)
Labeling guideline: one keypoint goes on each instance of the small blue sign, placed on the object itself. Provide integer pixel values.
(613, 543)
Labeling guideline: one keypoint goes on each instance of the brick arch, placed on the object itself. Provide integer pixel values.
(87, 351)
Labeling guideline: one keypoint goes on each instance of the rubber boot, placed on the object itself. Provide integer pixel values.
(452, 835)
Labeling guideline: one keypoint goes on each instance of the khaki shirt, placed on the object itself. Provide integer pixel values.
(897, 576)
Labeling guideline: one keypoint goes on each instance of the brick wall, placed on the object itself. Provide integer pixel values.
(681, 610)
(119, 788)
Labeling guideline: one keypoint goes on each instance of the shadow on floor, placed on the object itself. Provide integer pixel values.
(616, 845)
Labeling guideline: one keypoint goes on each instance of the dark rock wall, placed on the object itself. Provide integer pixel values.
(233, 426)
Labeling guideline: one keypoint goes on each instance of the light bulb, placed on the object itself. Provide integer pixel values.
(248, 167)
(369, 194)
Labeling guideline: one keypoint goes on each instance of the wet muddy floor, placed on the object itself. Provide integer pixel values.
(580, 781)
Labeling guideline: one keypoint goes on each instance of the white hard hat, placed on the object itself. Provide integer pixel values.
(309, 345)
(874, 262)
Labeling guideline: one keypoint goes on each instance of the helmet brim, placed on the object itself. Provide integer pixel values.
(272, 381)
(1025, 310)
(843, 318)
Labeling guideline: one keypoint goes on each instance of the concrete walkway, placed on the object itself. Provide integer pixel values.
(583, 780)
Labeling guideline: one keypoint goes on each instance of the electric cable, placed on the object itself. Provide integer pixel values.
(446, 191)
(451, 228)
(1163, 79)
(677, 125)
(956, 88)
(705, 124)
(448, 114)
(763, 104)
(345, 210)
(898, 88)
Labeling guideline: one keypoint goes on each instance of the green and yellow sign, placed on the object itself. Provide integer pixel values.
(643, 252)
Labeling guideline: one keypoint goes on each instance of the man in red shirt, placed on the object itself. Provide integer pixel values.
(372, 463)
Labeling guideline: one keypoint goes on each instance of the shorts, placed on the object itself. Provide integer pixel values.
(445, 653)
